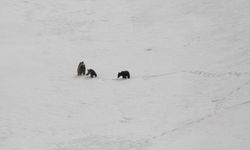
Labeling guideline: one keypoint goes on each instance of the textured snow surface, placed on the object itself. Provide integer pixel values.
(189, 62)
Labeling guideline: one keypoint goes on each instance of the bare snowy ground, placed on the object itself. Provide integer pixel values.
(189, 61)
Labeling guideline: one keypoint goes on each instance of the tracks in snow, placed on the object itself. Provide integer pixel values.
(216, 75)
(191, 123)
(95, 142)
(193, 72)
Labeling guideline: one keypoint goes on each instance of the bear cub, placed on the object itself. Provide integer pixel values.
(92, 73)
(124, 74)
(81, 69)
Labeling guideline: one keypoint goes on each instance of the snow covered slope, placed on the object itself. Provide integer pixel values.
(189, 61)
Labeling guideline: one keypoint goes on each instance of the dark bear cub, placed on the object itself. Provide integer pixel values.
(124, 74)
(92, 73)
(81, 69)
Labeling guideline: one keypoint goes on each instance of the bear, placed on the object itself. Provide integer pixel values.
(92, 73)
(124, 74)
(81, 69)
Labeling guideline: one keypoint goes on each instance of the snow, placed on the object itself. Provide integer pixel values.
(189, 64)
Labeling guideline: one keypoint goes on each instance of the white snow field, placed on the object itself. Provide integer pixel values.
(190, 75)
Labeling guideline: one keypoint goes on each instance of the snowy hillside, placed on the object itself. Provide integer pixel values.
(190, 75)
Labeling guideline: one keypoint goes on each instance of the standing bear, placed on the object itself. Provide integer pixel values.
(81, 69)
(92, 73)
(124, 74)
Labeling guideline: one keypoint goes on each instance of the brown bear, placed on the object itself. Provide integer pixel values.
(81, 69)
(124, 74)
(92, 73)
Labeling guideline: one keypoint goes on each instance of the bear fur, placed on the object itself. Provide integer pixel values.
(124, 74)
(92, 73)
(81, 69)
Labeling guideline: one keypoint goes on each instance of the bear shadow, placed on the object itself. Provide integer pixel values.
(120, 79)
(83, 77)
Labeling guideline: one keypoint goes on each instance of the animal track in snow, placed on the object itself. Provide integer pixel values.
(190, 123)
(216, 75)
(5, 130)
(102, 143)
